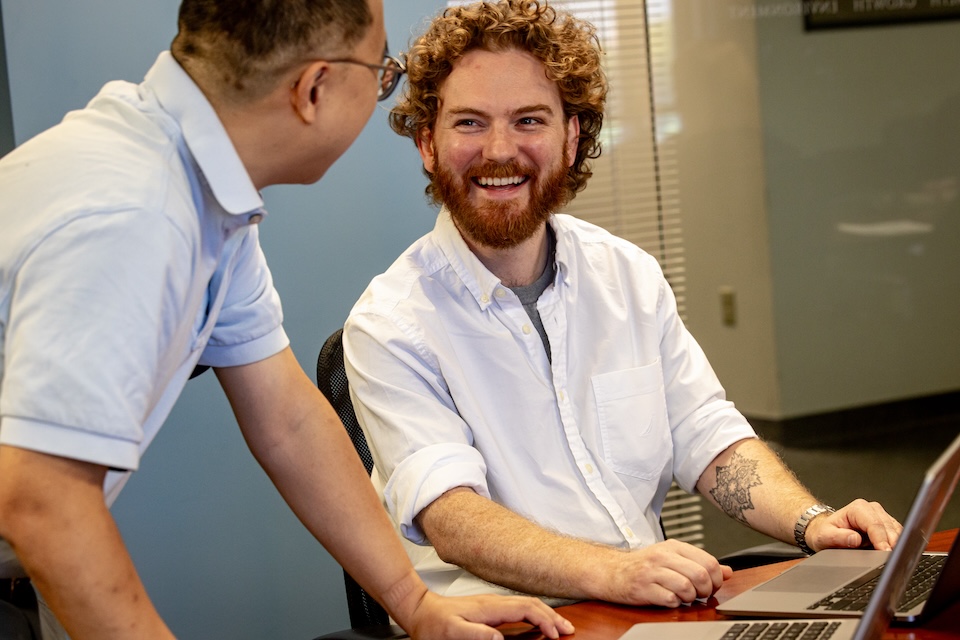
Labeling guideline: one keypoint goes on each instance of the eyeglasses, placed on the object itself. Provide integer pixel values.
(390, 71)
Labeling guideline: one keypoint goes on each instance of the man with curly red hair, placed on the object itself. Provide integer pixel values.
(527, 386)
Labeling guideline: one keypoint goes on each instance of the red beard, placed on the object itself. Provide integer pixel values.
(501, 225)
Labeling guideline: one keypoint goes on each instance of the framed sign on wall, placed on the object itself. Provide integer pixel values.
(834, 14)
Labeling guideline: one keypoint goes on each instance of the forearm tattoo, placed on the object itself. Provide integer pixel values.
(734, 482)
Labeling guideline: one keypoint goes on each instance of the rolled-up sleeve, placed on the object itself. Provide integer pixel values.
(703, 422)
(426, 475)
(420, 444)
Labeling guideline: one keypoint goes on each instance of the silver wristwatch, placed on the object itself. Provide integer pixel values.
(800, 529)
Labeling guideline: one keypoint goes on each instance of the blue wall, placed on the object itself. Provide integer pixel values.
(219, 551)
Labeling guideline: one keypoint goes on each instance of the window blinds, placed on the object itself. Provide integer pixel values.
(634, 192)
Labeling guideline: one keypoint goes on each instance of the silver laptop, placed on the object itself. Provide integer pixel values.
(844, 629)
(898, 567)
(827, 583)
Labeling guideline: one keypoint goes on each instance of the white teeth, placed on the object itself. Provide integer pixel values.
(499, 182)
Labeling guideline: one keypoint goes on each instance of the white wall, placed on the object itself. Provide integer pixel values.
(820, 179)
(721, 177)
(862, 156)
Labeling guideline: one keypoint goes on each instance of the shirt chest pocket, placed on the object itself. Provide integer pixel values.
(632, 415)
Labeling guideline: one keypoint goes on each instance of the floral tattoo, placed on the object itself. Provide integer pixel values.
(734, 482)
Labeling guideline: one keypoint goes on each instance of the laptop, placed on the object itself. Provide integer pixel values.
(898, 567)
(843, 629)
(820, 586)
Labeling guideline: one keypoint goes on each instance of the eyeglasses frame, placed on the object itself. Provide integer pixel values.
(391, 64)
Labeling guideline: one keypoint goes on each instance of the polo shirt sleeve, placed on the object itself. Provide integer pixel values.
(89, 329)
(420, 444)
(249, 325)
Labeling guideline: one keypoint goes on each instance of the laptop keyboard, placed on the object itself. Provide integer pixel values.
(856, 595)
(812, 630)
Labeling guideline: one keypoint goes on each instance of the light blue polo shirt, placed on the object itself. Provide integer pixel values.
(128, 254)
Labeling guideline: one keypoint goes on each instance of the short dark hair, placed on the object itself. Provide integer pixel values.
(245, 46)
(567, 46)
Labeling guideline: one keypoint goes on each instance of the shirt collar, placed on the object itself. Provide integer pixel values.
(562, 249)
(204, 134)
(479, 280)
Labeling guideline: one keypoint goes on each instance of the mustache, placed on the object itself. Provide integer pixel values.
(500, 170)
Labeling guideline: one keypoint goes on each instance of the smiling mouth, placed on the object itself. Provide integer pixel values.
(509, 181)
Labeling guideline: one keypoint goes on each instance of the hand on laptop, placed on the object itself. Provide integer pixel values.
(845, 529)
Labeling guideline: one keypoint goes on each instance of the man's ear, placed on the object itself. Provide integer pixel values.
(573, 138)
(425, 147)
(307, 91)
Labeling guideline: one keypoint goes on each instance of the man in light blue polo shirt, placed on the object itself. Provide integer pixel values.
(130, 255)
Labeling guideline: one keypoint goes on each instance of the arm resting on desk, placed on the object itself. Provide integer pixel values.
(502, 547)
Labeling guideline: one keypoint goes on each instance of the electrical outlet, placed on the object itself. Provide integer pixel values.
(728, 306)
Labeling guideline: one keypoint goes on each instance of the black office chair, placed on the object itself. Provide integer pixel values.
(366, 614)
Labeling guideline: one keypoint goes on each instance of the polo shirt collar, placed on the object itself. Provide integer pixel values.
(204, 135)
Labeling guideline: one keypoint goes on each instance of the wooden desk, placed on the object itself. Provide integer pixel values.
(603, 621)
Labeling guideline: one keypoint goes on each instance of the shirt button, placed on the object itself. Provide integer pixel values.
(561, 395)
(500, 293)
(588, 468)
(484, 298)
(629, 532)
(255, 218)
(527, 329)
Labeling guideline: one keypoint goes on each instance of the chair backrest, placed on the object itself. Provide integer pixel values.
(681, 516)
(332, 380)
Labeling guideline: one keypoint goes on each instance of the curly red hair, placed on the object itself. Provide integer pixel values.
(567, 46)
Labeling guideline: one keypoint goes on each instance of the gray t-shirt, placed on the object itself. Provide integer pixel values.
(530, 293)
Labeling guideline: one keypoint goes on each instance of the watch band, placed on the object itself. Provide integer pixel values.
(800, 529)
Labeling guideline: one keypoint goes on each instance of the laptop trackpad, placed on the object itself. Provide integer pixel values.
(812, 579)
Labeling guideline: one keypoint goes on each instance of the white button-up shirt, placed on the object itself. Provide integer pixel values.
(453, 388)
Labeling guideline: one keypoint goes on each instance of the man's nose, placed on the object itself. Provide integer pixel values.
(500, 145)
